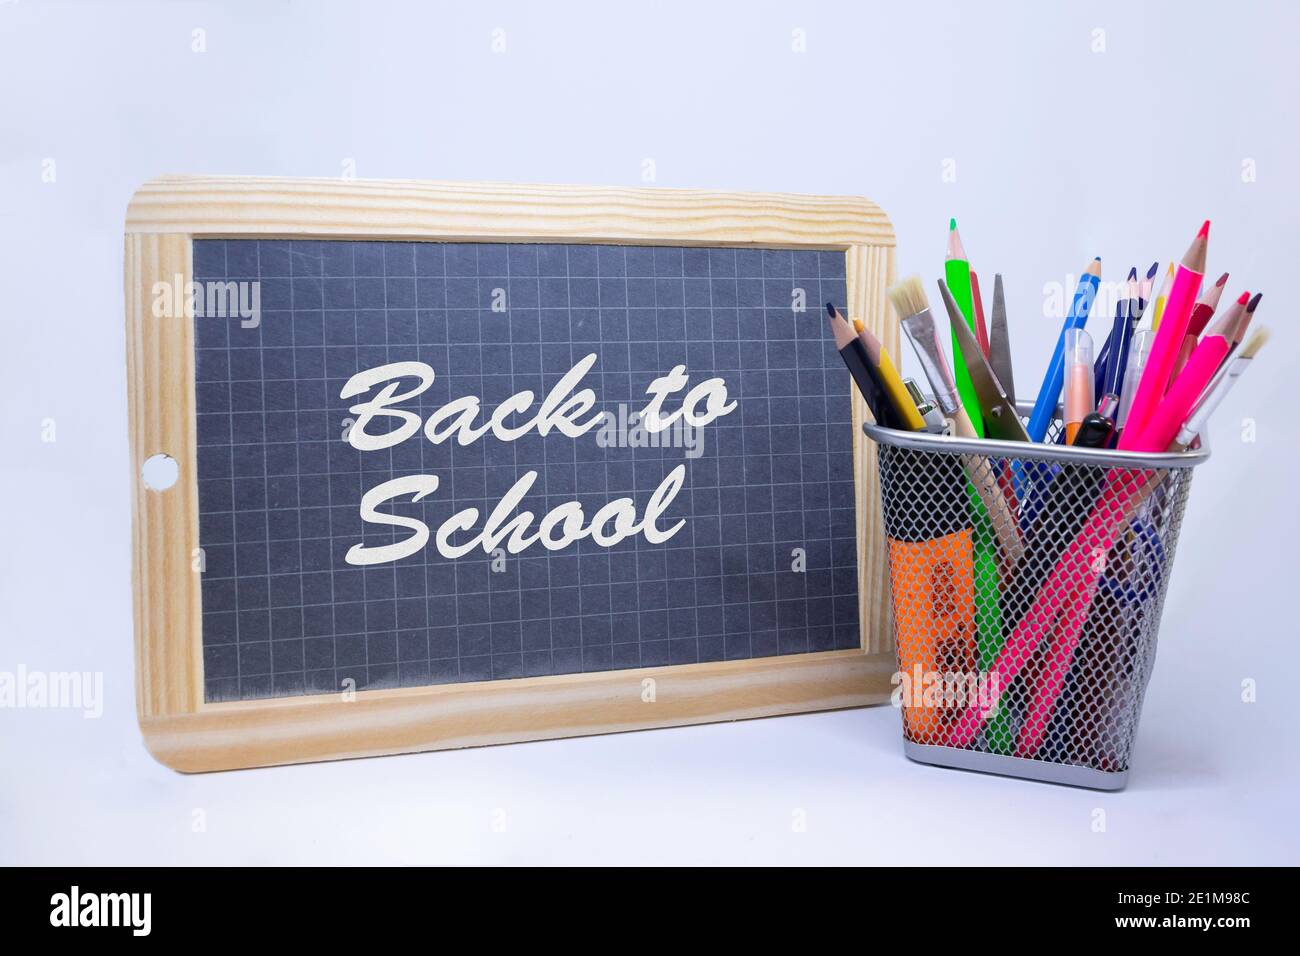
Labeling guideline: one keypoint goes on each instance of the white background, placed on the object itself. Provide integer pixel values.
(1061, 153)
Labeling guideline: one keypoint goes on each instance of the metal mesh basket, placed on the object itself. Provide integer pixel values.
(1027, 584)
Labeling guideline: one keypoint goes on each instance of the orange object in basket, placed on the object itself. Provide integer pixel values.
(934, 627)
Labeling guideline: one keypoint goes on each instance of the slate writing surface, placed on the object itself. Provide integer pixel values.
(280, 487)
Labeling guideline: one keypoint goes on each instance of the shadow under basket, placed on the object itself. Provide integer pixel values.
(1027, 584)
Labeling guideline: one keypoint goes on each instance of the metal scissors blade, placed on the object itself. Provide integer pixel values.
(1000, 343)
(1000, 418)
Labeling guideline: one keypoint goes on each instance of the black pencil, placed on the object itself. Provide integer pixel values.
(854, 354)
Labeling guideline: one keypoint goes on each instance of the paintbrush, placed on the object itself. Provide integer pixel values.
(909, 300)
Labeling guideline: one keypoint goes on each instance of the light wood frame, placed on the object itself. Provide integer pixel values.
(184, 732)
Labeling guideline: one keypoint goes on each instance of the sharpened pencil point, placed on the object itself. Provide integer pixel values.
(952, 224)
(1132, 273)
(830, 309)
(1243, 298)
(1223, 279)
(1254, 302)
(1205, 230)
(1151, 273)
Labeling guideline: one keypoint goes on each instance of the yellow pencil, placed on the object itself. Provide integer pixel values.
(1160, 299)
(889, 376)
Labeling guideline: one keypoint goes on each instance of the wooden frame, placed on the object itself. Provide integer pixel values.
(185, 733)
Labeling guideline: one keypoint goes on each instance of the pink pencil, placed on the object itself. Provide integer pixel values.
(1169, 339)
(1057, 667)
(1158, 435)
(1067, 594)
(1162, 427)
(1066, 597)
(1160, 430)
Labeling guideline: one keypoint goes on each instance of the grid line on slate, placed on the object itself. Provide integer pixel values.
(279, 490)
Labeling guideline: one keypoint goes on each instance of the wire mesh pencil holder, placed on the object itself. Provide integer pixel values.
(1027, 584)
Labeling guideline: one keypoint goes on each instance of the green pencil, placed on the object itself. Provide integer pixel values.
(988, 613)
(956, 269)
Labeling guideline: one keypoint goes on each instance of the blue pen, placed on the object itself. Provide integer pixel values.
(1122, 337)
(1136, 303)
(1103, 361)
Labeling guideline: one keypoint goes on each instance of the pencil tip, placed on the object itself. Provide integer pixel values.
(1222, 280)
(1254, 302)
(1132, 273)
(1243, 298)
(1151, 273)
(830, 309)
(952, 224)
(1205, 231)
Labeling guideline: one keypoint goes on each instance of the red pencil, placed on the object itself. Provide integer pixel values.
(1202, 312)
(1243, 323)
(981, 330)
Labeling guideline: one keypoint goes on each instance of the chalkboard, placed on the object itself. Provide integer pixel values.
(409, 469)
(763, 563)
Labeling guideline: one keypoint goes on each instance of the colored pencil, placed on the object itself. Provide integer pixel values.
(991, 518)
(1123, 495)
(1169, 338)
(1239, 332)
(1000, 418)
(854, 354)
(887, 372)
(1144, 288)
(1162, 425)
(1202, 312)
(956, 269)
(1157, 313)
(977, 303)
(1143, 338)
(1136, 311)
